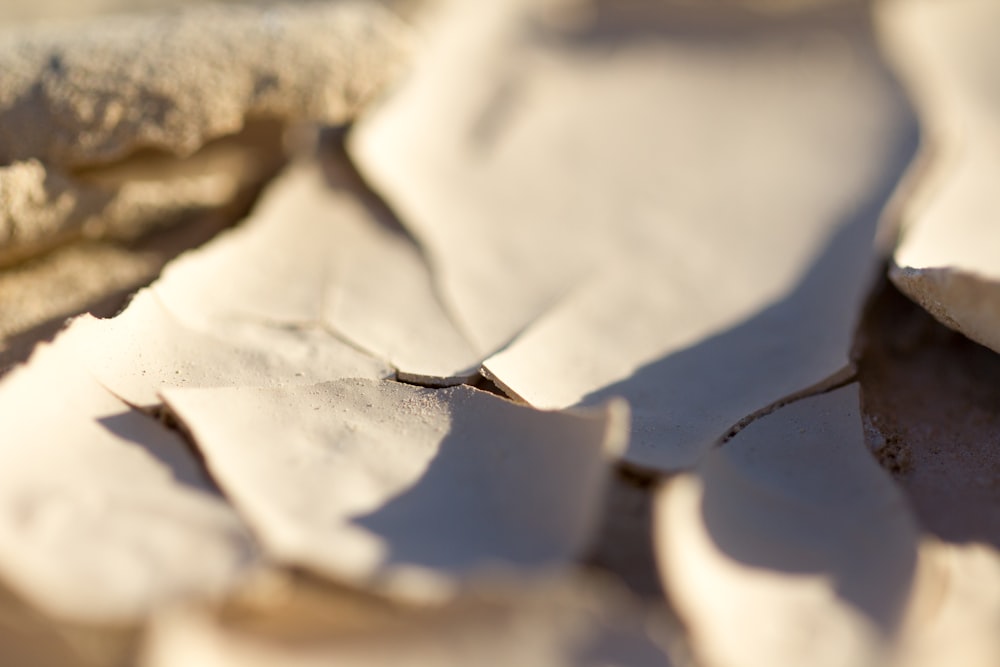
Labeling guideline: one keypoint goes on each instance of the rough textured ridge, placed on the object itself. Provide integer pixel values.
(74, 96)
(45, 206)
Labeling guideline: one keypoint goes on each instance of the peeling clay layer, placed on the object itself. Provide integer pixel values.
(405, 490)
(788, 546)
(597, 238)
(146, 349)
(948, 259)
(104, 510)
(82, 94)
(562, 233)
(963, 301)
(318, 254)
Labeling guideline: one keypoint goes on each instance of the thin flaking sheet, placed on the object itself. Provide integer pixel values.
(955, 608)
(948, 259)
(789, 545)
(592, 204)
(146, 349)
(407, 490)
(316, 255)
(105, 514)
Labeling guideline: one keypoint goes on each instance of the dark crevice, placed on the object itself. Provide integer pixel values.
(170, 421)
(843, 377)
(637, 476)
(929, 399)
(623, 544)
(483, 383)
(433, 382)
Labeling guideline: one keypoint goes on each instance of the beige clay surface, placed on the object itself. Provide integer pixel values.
(947, 259)
(789, 545)
(405, 489)
(592, 204)
(104, 509)
(678, 204)
(317, 255)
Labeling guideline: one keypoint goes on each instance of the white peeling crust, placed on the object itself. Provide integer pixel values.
(312, 256)
(948, 258)
(955, 609)
(963, 301)
(562, 199)
(146, 349)
(788, 545)
(90, 93)
(105, 515)
(406, 490)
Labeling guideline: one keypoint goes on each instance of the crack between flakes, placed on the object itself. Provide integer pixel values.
(333, 148)
(841, 378)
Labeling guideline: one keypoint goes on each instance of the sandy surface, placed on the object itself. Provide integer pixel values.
(288, 443)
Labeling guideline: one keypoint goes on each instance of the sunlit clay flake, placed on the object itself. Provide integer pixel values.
(105, 516)
(955, 611)
(321, 256)
(88, 93)
(528, 623)
(788, 545)
(948, 260)
(146, 349)
(402, 488)
(592, 205)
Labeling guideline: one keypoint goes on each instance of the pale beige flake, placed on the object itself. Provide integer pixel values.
(405, 489)
(956, 608)
(146, 349)
(105, 515)
(948, 260)
(662, 203)
(571, 622)
(317, 255)
(78, 94)
(789, 545)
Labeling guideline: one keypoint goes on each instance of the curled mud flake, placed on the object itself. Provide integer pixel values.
(955, 609)
(146, 349)
(789, 544)
(320, 254)
(403, 489)
(948, 257)
(562, 198)
(105, 515)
